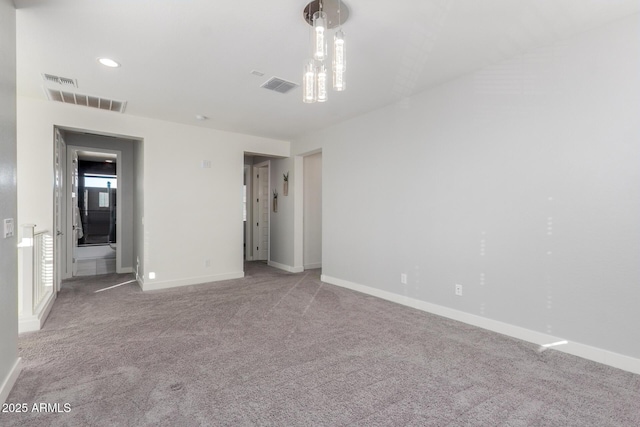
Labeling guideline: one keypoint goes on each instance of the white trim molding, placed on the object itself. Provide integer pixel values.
(37, 320)
(313, 266)
(153, 285)
(10, 380)
(595, 354)
(285, 267)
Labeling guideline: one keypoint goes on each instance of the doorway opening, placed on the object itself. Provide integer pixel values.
(95, 209)
(257, 207)
(95, 221)
(261, 213)
(312, 211)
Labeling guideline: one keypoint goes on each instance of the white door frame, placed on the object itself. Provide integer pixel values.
(256, 190)
(248, 174)
(69, 226)
(59, 214)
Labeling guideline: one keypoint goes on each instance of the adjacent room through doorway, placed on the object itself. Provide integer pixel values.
(95, 215)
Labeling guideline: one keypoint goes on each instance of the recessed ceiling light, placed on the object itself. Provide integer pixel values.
(108, 161)
(202, 117)
(108, 62)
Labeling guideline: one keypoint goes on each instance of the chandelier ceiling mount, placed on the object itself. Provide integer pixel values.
(337, 12)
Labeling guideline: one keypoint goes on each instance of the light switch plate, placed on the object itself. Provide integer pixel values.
(8, 228)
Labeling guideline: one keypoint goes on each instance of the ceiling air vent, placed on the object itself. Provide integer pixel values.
(64, 81)
(278, 85)
(85, 100)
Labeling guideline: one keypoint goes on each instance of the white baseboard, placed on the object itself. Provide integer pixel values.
(36, 321)
(10, 380)
(581, 350)
(312, 266)
(154, 285)
(285, 267)
(28, 324)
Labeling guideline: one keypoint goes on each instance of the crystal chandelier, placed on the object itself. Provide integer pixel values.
(324, 15)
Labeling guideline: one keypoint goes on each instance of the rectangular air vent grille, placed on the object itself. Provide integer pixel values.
(64, 81)
(278, 85)
(86, 100)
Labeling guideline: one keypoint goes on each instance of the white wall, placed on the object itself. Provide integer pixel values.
(9, 362)
(519, 181)
(281, 231)
(191, 214)
(312, 215)
(125, 184)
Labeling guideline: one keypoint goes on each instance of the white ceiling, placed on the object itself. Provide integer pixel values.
(181, 58)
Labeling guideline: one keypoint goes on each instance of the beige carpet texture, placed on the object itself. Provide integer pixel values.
(282, 349)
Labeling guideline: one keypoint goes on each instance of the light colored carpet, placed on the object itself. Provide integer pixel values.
(280, 349)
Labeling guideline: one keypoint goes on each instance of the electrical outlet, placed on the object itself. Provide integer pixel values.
(403, 278)
(458, 290)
